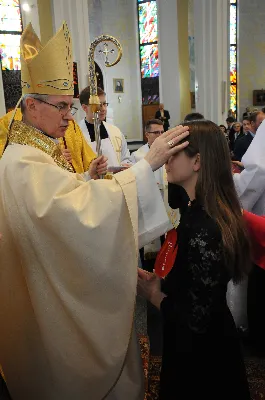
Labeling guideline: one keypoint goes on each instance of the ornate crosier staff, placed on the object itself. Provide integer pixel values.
(94, 99)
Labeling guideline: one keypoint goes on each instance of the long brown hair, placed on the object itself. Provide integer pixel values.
(215, 191)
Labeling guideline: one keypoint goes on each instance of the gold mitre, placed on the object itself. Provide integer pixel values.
(46, 69)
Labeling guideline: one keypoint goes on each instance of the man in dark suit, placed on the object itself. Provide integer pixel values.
(164, 116)
(242, 144)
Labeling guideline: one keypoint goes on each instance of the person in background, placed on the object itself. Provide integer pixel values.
(246, 125)
(230, 121)
(243, 142)
(231, 113)
(164, 116)
(153, 129)
(113, 142)
(247, 113)
(193, 117)
(238, 132)
(250, 185)
(224, 130)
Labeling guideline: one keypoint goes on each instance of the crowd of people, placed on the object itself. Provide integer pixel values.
(70, 244)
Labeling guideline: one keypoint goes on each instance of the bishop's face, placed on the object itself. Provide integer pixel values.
(51, 116)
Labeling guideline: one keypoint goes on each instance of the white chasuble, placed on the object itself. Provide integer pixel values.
(250, 187)
(68, 277)
(250, 184)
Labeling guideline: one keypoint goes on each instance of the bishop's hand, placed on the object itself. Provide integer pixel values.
(67, 155)
(98, 167)
(166, 146)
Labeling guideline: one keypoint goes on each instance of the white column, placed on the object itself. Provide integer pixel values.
(211, 58)
(75, 13)
(169, 80)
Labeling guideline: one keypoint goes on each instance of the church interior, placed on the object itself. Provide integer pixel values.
(179, 57)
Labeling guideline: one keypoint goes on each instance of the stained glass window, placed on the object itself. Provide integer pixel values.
(233, 24)
(233, 56)
(148, 38)
(10, 51)
(149, 61)
(10, 32)
(233, 72)
(148, 22)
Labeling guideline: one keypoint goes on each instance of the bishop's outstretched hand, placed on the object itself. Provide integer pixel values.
(166, 146)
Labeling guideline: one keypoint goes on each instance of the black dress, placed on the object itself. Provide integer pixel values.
(201, 351)
(4, 395)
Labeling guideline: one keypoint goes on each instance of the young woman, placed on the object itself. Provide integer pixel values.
(202, 355)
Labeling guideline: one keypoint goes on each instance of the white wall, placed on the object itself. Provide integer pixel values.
(118, 18)
(251, 51)
(31, 16)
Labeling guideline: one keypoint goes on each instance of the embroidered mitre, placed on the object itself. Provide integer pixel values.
(47, 69)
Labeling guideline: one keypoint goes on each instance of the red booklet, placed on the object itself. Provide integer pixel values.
(167, 254)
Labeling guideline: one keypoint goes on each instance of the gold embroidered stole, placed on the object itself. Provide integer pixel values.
(21, 133)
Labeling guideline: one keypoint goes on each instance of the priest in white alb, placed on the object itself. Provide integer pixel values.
(250, 185)
(113, 142)
(69, 249)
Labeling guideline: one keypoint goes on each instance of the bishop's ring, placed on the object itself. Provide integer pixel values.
(171, 143)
